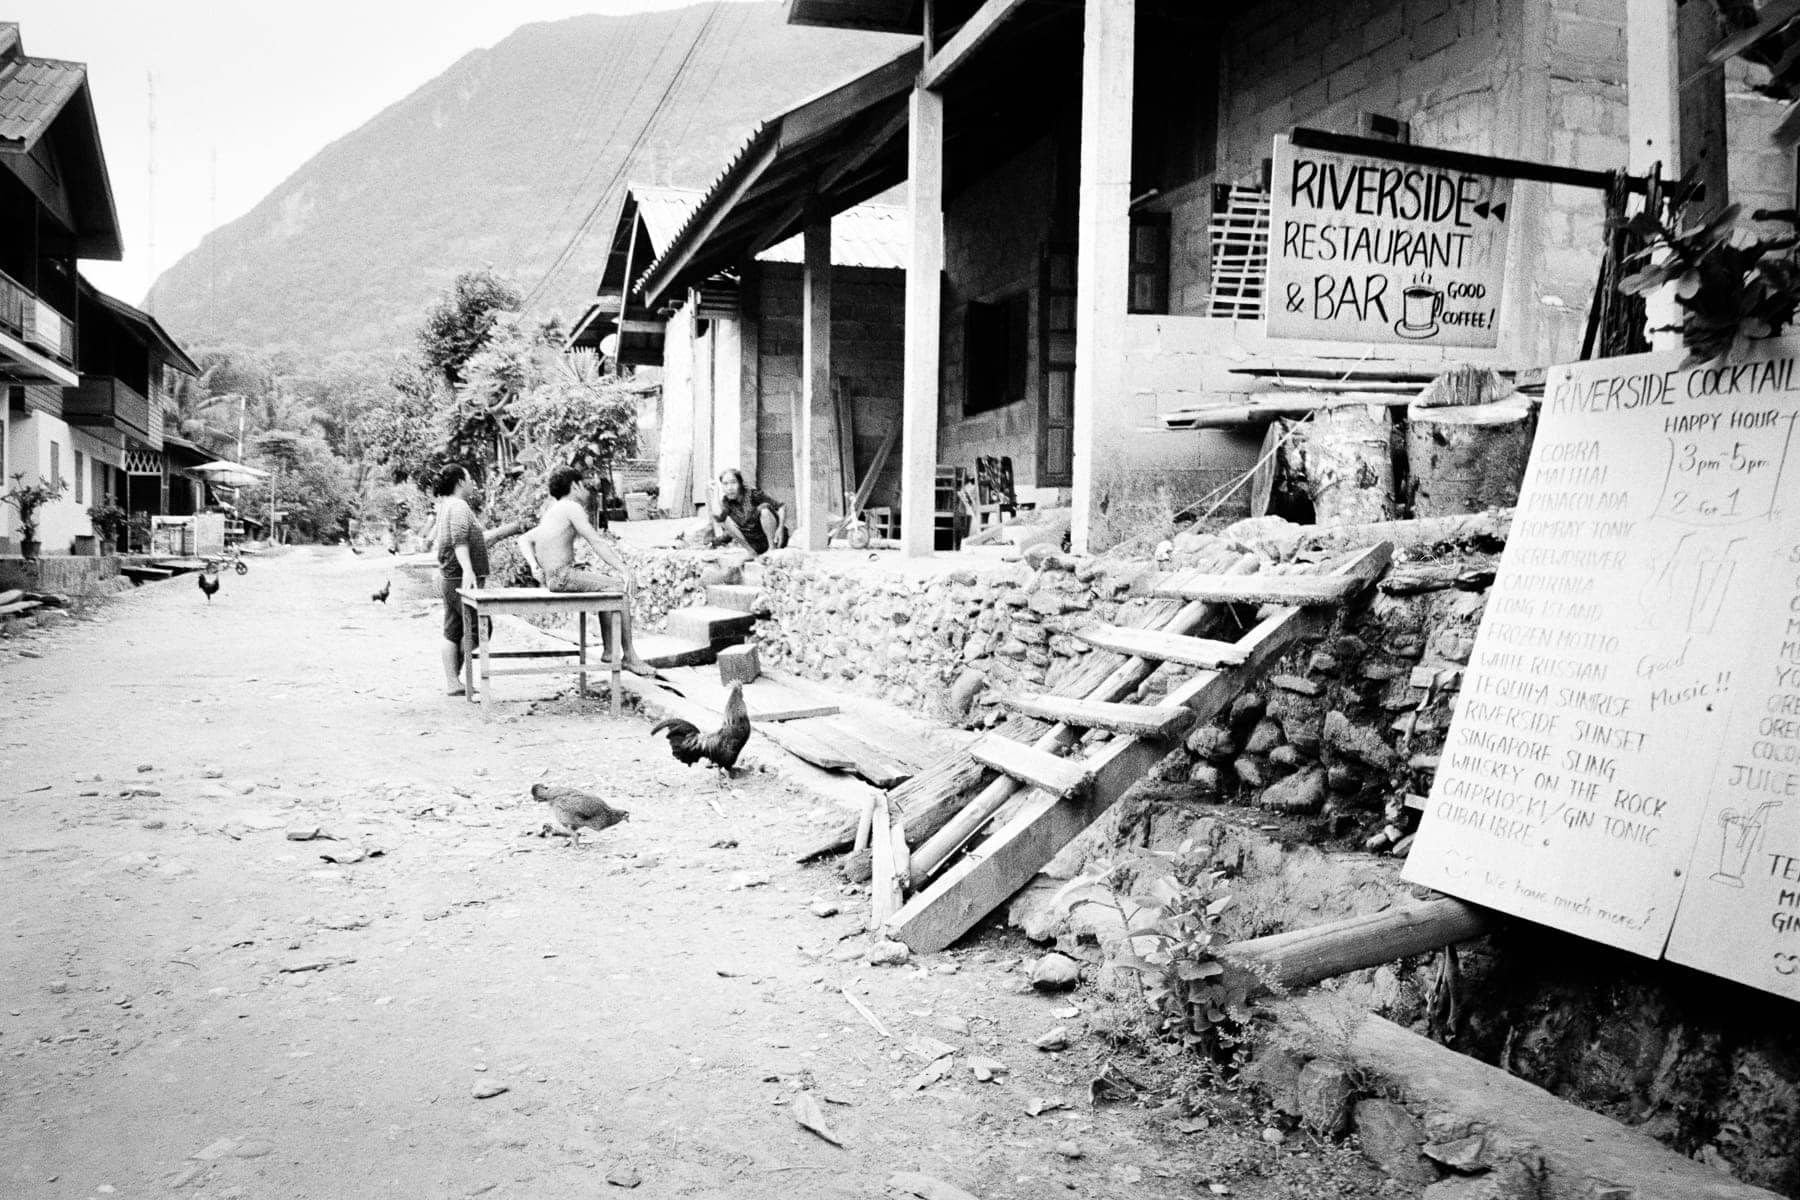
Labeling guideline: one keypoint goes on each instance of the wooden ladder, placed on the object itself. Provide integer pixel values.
(1068, 791)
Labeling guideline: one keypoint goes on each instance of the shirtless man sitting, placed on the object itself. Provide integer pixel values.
(549, 551)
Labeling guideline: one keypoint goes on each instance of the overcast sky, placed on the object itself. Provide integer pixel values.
(246, 91)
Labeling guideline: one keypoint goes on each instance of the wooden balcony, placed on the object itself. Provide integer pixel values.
(105, 401)
(28, 318)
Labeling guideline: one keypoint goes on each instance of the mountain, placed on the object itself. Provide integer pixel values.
(514, 157)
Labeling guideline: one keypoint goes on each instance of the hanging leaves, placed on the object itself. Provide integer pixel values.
(1729, 284)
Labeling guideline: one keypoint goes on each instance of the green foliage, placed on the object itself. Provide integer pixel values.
(111, 522)
(27, 498)
(1172, 945)
(457, 326)
(1730, 284)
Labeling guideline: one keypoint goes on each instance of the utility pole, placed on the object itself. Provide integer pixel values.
(150, 189)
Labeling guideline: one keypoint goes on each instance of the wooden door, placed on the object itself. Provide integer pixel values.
(1056, 366)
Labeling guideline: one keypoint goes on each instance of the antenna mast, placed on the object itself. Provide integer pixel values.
(150, 188)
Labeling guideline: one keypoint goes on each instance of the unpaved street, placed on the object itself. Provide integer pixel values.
(194, 1004)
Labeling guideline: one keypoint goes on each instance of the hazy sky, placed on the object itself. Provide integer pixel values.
(246, 91)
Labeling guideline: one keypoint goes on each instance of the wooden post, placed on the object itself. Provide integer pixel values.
(749, 371)
(816, 435)
(925, 267)
(1103, 223)
(1679, 127)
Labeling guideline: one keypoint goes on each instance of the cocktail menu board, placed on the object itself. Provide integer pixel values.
(1624, 762)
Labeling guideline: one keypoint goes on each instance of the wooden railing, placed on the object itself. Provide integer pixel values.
(104, 399)
(28, 317)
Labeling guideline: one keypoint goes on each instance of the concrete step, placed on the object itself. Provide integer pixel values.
(741, 597)
(660, 650)
(717, 627)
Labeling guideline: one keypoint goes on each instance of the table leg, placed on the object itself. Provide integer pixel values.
(615, 622)
(581, 621)
(470, 622)
(487, 678)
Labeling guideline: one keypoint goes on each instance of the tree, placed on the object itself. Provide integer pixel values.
(457, 326)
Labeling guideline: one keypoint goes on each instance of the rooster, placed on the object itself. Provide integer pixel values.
(576, 810)
(721, 747)
(382, 595)
(209, 583)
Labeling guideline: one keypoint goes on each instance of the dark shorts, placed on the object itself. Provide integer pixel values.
(575, 579)
(453, 609)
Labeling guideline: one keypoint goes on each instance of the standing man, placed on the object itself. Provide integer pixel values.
(462, 555)
(549, 551)
(745, 515)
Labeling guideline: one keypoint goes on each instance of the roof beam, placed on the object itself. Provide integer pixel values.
(661, 276)
(959, 49)
(859, 156)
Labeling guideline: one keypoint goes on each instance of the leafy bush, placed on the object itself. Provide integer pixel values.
(1730, 284)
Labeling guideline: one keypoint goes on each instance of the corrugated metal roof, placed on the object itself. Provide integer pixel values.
(664, 210)
(32, 92)
(869, 235)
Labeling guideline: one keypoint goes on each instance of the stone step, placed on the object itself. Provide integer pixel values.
(741, 597)
(660, 650)
(717, 627)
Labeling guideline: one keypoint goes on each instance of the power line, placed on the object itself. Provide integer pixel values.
(580, 233)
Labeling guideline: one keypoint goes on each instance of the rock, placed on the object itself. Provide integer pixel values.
(1302, 793)
(1249, 772)
(1358, 742)
(1210, 741)
(954, 1024)
(1326, 1093)
(624, 1177)
(1069, 1149)
(925, 1187)
(1467, 1155)
(1264, 737)
(211, 772)
(1276, 1073)
(1390, 1138)
(1056, 1039)
(986, 1070)
(823, 908)
(888, 954)
(1507, 1181)
(1055, 973)
(970, 683)
(487, 1091)
(1273, 1136)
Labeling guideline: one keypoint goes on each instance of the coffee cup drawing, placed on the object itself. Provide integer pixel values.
(1419, 310)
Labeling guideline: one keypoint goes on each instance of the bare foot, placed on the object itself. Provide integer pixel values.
(638, 666)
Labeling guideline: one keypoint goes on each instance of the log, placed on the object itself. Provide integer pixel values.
(1350, 464)
(1405, 536)
(866, 823)
(884, 891)
(1467, 459)
(1302, 957)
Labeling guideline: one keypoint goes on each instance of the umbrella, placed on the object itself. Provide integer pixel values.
(229, 474)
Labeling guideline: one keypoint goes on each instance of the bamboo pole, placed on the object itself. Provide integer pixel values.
(1301, 957)
(1121, 682)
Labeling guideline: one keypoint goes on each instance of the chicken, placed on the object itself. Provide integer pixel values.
(382, 595)
(722, 746)
(576, 810)
(209, 583)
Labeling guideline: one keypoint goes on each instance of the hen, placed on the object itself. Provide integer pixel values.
(722, 746)
(209, 583)
(576, 810)
(382, 595)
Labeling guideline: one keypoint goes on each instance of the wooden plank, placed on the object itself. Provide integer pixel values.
(11, 594)
(830, 743)
(961, 47)
(802, 743)
(1040, 768)
(884, 892)
(1263, 589)
(924, 298)
(1154, 719)
(1164, 647)
(770, 698)
(18, 606)
(967, 891)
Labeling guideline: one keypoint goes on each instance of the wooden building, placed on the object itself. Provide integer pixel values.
(1085, 179)
(728, 347)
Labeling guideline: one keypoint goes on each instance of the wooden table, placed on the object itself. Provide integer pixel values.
(525, 602)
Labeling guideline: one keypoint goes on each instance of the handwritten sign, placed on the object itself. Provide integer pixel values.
(1371, 250)
(1619, 738)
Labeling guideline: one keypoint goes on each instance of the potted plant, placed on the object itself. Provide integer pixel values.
(112, 523)
(28, 498)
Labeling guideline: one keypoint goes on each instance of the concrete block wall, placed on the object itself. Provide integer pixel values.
(868, 318)
(994, 232)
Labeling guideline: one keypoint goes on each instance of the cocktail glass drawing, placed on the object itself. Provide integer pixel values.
(1739, 835)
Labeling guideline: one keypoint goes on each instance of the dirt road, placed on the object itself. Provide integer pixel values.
(193, 1004)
